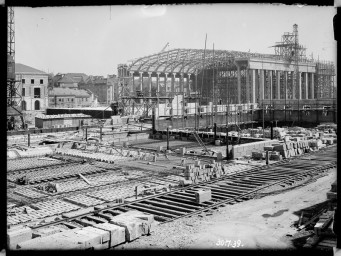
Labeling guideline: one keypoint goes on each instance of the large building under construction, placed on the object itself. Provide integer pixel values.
(190, 82)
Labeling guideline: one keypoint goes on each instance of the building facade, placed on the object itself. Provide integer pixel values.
(33, 85)
(101, 87)
(71, 98)
(68, 80)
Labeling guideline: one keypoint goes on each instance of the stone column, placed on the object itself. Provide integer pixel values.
(189, 84)
(132, 80)
(181, 82)
(270, 77)
(278, 87)
(238, 84)
(306, 85)
(150, 84)
(253, 89)
(261, 85)
(286, 85)
(247, 98)
(157, 83)
(173, 84)
(293, 86)
(299, 85)
(312, 86)
(141, 81)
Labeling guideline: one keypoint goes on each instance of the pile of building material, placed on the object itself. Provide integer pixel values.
(124, 227)
(332, 194)
(325, 224)
(100, 156)
(198, 172)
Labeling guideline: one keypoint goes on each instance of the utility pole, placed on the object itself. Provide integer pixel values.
(167, 138)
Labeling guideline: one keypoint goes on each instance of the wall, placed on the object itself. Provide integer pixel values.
(93, 113)
(204, 121)
(246, 149)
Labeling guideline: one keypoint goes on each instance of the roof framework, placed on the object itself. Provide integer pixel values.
(190, 60)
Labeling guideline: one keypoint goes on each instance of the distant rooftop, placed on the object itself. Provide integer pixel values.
(68, 92)
(21, 68)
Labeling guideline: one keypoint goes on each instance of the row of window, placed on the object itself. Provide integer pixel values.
(67, 99)
(62, 100)
(32, 81)
(36, 92)
(36, 105)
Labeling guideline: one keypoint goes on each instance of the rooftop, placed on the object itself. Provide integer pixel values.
(21, 68)
(69, 92)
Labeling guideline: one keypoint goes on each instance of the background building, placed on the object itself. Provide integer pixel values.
(102, 87)
(33, 87)
(71, 98)
(69, 80)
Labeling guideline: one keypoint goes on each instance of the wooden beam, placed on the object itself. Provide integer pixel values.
(177, 203)
(151, 211)
(160, 209)
(168, 206)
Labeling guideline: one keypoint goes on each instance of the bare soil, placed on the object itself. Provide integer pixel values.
(262, 223)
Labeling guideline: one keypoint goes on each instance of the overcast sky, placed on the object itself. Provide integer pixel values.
(94, 40)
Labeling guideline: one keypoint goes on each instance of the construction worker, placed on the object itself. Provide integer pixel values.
(183, 161)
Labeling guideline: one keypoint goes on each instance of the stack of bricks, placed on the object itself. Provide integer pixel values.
(205, 172)
(28, 193)
(289, 149)
(24, 163)
(54, 207)
(83, 200)
(112, 194)
(316, 144)
(54, 173)
(24, 214)
(109, 158)
(72, 185)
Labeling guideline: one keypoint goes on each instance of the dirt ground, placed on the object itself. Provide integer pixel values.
(254, 224)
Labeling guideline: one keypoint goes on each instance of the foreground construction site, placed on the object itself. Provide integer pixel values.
(238, 134)
(66, 191)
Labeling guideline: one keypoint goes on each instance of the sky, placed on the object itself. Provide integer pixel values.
(94, 40)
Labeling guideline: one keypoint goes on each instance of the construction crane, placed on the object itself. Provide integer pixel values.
(290, 49)
(163, 49)
(13, 95)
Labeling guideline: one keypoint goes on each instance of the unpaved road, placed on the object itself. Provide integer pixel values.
(254, 224)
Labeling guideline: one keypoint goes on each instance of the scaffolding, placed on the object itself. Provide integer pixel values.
(215, 83)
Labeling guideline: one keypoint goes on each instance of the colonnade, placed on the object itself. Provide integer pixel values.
(258, 84)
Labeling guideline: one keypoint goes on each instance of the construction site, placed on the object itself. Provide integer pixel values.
(233, 149)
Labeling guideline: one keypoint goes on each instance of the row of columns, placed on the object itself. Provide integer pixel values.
(181, 81)
(258, 77)
(260, 74)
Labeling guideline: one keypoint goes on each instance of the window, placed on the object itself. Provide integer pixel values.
(72, 100)
(52, 100)
(23, 105)
(37, 93)
(23, 81)
(60, 100)
(23, 92)
(37, 105)
(41, 81)
(32, 81)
